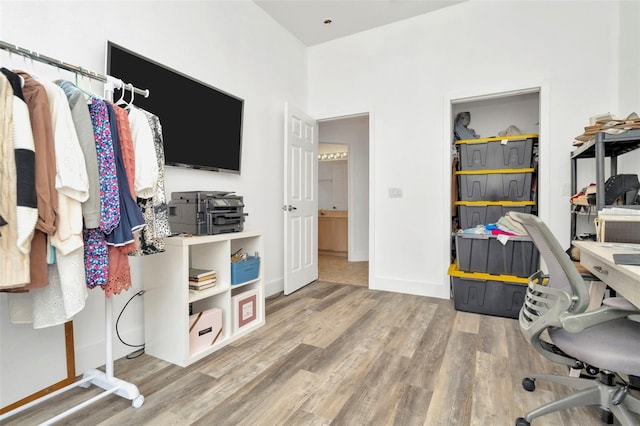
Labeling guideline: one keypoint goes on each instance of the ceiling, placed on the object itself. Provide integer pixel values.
(305, 18)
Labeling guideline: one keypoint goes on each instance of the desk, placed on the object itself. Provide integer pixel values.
(598, 259)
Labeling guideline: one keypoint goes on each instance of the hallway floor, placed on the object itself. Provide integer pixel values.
(337, 269)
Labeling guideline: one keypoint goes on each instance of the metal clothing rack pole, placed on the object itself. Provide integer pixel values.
(104, 380)
(117, 83)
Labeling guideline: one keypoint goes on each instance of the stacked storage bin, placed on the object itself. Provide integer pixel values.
(495, 175)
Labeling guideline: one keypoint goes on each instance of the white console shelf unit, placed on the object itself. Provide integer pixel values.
(167, 296)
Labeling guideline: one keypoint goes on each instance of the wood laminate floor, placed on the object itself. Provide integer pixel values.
(333, 354)
(338, 269)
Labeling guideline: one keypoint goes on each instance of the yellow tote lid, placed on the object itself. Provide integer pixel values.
(498, 139)
(494, 171)
(455, 272)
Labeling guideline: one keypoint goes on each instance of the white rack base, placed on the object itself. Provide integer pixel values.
(111, 385)
(118, 386)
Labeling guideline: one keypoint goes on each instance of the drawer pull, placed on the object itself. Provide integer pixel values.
(601, 270)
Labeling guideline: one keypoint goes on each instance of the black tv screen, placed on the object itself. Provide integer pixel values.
(201, 125)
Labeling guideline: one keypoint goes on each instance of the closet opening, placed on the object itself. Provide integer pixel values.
(483, 189)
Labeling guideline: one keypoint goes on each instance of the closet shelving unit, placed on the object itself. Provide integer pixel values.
(603, 145)
(106, 379)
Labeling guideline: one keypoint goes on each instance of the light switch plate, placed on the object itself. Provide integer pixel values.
(395, 193)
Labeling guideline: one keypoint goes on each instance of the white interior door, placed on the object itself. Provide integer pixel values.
(300, 199)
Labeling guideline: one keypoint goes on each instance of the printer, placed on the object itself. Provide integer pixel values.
(206, 212)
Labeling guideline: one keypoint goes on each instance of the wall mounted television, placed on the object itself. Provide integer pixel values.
(201, 125)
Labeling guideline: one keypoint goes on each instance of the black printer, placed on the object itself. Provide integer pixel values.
(206, 212)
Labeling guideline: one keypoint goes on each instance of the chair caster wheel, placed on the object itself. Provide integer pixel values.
(606, 416)
(529, 384)
(521, 421)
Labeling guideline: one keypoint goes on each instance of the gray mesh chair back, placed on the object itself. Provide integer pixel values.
(549, 295)
(560, 267)
(601, 340)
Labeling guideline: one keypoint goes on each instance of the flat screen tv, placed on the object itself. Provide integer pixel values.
(201, 125)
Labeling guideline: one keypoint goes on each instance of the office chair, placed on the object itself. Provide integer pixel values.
(601, 341)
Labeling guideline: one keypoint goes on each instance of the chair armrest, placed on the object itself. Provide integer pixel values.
(576, 323)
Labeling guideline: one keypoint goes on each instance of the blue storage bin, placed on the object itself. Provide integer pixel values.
(245, 270)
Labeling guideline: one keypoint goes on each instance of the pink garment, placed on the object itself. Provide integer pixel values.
(119, 272)
(501, 232)
(126, 146)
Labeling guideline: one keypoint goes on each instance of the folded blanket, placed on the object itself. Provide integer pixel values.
(507, 224)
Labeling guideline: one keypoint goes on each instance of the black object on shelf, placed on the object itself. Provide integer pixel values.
(623, 186)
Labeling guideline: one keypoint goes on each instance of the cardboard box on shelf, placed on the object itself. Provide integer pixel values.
(618, 228)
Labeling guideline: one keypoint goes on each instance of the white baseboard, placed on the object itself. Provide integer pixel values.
(274, 287)
(418, 288)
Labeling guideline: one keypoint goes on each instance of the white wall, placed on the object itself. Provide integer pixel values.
(231, 45)
(629, 52)
(629, 84)
(406, 70)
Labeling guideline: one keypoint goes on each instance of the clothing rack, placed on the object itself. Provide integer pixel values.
(104, 380)
(112, 83)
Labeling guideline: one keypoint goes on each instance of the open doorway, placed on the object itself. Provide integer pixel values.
(343, 200)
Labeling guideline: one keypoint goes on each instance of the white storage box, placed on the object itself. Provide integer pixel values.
(245, 309)
(205, 328)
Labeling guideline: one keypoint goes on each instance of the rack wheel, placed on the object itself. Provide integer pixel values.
(137, 401)
(529, 384)
(521, 421)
